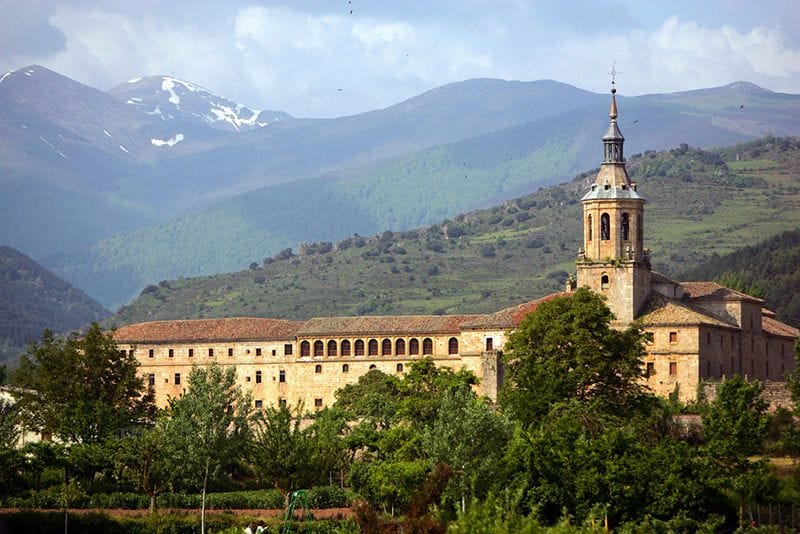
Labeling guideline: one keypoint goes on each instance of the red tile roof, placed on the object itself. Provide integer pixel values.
(227, 329)
(509, 317)
(660, 310)
(714, 291)
(777, 328)
(384, 325)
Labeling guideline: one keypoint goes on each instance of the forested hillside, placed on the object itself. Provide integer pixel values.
(701, 202)
(32, 299)
(769, 270)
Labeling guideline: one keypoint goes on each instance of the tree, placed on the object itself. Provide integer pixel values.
(148, 460)
(208, 427)
(566, 349)
(281, 450)
(735, 426)
(84, 389)
(471, 438)
(9, 456)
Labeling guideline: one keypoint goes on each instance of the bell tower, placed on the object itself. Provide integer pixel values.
(613, 261)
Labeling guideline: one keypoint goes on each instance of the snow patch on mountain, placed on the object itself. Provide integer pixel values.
(106, 132)
(134, 80)
(172, 141)
(7, 74)
(134, 100)
(156, 111)
(168, 85)
(124, 149)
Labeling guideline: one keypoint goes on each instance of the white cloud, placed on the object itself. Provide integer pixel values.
(320, 60)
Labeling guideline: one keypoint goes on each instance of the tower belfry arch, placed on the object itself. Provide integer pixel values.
(612, 260)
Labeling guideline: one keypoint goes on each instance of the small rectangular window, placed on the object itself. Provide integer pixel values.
(651, 369)
(673, 337)
(151, 380)
(345, 368)
(259, 404)
(282, 403)
(673, 368)
(171, 353)
(210, 353)
(131, 352)
(287, 349)
(150, 353)
(258, 352)
(318, 403)
(191, 353)
(274, 352)
(258, 377)
(281, 376)
(177, 379)
(317, 369)
(230, 352)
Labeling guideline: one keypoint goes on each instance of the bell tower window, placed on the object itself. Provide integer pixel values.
(625, 227)
(605, 227)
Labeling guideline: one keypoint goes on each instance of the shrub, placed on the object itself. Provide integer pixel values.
(328, 497)
(487, 251)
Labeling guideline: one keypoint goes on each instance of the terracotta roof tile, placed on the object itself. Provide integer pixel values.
(660, 310)
(714, 291)
(384, 325)
(777, 328)
(510, 317)
(227, 329)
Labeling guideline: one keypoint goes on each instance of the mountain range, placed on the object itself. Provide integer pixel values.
(159, 178)
(703, 205)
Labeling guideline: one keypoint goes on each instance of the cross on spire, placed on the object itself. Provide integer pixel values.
(613, 73)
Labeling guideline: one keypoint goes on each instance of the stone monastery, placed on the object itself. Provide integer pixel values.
(701, 331)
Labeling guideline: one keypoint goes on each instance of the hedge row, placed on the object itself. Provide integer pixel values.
(321, 497)
(98, 523)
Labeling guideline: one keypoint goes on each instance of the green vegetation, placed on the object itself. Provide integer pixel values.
(493, 258)
(32, 299)
(574, 443)
(767, 270)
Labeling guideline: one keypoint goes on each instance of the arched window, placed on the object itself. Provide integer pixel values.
(413, 347)
(400, 347)
(305, 348)
(605, 227)
(319, 348)
(332, 348)
(427, 346)
(359, 347)
(373, 366)
(604, 282)
(489, 344)
(386, 347)
(318, 368)
(399, 367)
(625, 227)
(345, 368)
(589, 226)
(346, 347)
(452, 346)
(373, 347)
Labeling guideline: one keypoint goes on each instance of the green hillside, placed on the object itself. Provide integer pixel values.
(701, 202)
(32, 299)
(768, 270)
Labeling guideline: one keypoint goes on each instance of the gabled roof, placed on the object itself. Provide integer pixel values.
(714, 291)
(660, 310)
(772, 326)
(384, 325)
(509, 317)
(194, 330)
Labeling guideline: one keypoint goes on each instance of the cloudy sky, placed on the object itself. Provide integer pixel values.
(330, 58)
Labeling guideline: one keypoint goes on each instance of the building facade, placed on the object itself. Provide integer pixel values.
(701, 331)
